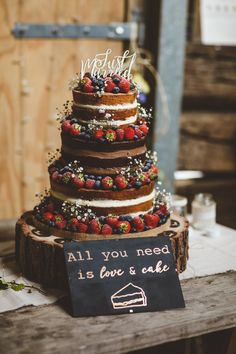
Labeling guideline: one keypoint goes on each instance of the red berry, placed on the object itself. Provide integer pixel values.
(124, 86)
(75, 129)
(107, 182)
(48, 215)
(138, 132)
(66, 177)
(163, 209)
(144, 128)
(106, 229)
(98, 134)
(110, 135)
(121, 182)
(138, 223)
(120, 133)
(153, 172)
(89, 183)
(129, 133)
(151, 220)
(74, 222)
(94, 226)
(66, 126)
(59, 221)
(78, 181)
(112, 220)
(55, 176)
(123, 226)
(86, 80)
(144, 178)
(109, 84)
(82, 227)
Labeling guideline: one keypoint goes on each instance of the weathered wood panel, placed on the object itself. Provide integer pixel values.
(34, 82)
(49, 329)
(208, 141)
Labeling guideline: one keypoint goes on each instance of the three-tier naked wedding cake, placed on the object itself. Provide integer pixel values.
(103, 182)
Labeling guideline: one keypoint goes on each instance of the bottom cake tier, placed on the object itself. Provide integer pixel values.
(39, 248)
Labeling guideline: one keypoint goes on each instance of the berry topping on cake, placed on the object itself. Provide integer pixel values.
(121, 182)
(144, 128)
(109, 84)
(66, 177)
(78, 180)
(151, 220)
(74, 223)
(116, 90)
(107, 182)
(98, 133)
(106, 229)
(95, 226)
(90, 183)
(110, 135)
(120, 133)
(138, 223)
(75, 129)
(66, 126)
(123, 227)
(112, 220)
(129, 133)
(48, 215)
(124, 86)
(60, 222)
(138, 132)
(82, 227)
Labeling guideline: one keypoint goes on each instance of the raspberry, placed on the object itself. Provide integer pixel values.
(120, 133)
(112, 220)
(124, 85)
(138, 223)
(144, 128)
(47, 215)
(129, 133)
(109, 85)
(78, 181)
(138, 132)
(86, 80)
(75, 129)
(89, 183)
(82, 227)
(66, 126)
(123, 227)
(110, 135)
(74, 222)
(121, 182)
(106, 229)
(107, 182)
(94, 226)
(98, 134)
(151, 220)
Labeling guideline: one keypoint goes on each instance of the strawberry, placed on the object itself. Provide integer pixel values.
(107, 182)
(106, 229)
(129, 133)
(120, 133)
(88, 88)
(123, 227)
(144, 128)
(66, 126)
(89, 183)
(124, 85)
(112, 220)
(98, 134)
(144, 177)
(138, 223)
(74, 222)
(109, 84)
(163, 209)
(151, 220)
(78, 180)
(48, 215)
(153, 172)
(138, 132)
(75, 129)
(121, 182)
(94, 226)
(66, 177)
(86, 80)
(59, 221)
(82, 227)
(110, 135)
(55, 176)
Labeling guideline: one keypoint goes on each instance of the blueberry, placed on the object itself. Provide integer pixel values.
(146, 228)
(99, 178)
(115, 231)
(85, 176)
(53, 223)
(92, 216)
(74, 120)
(94, 81)
(129, 218)
(66, 169)
(102, 219)
(116, 80)
(122, 217)
(82, 129)
(100, 83)
(149, 161)
(138, 184)
(98, 184)
(136, 137)
(119, 231)
(129, 185)
(87, 136)
(114, 188)
(145, 169)
(38, 216)
(116, 90)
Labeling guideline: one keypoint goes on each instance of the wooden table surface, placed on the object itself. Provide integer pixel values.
(210, 306)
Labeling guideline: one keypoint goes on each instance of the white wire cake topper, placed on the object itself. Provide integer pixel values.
(103, 64)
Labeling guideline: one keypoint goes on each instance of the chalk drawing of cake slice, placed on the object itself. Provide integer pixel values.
(129, 296)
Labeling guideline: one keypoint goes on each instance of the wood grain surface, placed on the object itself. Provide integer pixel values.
(210, 306)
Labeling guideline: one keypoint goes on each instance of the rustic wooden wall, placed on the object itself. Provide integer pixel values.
(33, 82)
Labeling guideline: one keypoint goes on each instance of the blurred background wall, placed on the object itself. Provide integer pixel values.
(33, 82)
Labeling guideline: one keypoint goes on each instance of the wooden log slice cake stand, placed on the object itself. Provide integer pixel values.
(39, 248)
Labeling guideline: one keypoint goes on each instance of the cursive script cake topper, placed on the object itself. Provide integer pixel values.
(102, 64)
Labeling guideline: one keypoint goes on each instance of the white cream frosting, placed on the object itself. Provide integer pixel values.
(104, 203)
(113, 123)
(106, 107)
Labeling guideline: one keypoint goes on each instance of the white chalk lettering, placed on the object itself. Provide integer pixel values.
(158, 268)
(71, 257)
(104, 273)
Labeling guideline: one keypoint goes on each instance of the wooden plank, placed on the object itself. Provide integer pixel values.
(210, 75)
(51, 330)
(211, 138)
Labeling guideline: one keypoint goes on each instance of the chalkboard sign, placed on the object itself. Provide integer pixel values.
(122, 276)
